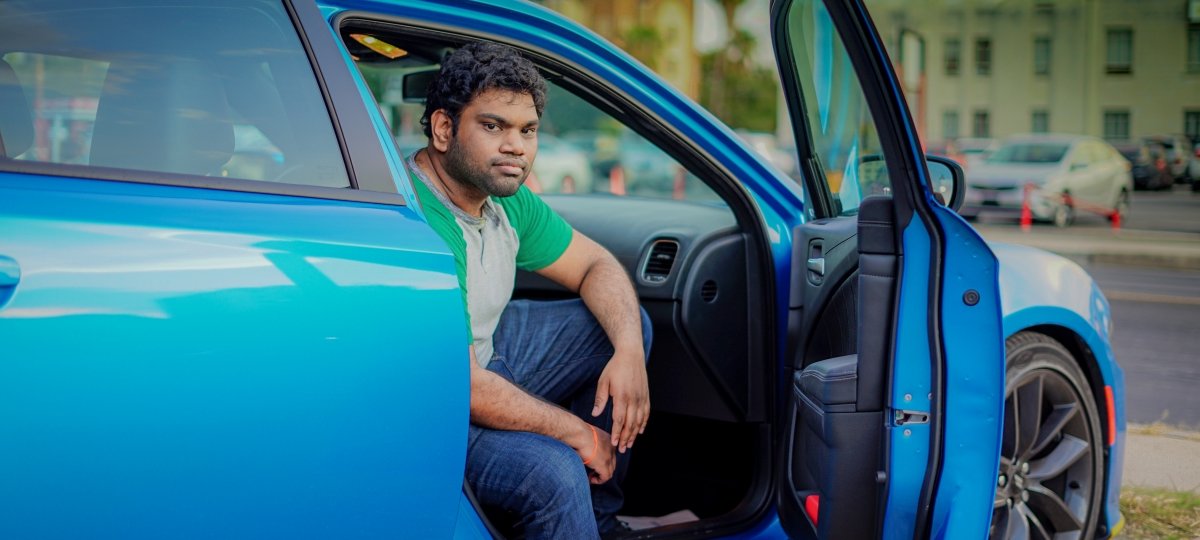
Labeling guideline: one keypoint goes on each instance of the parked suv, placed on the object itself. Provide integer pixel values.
(276, 349)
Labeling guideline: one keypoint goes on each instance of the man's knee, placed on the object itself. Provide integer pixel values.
(558, 478)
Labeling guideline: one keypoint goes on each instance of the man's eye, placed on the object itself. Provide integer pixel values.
(491, 127)
(529, 132)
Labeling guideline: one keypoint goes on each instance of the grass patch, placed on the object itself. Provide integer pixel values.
(1159, 513)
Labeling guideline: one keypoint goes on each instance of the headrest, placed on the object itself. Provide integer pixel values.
(170, 117)
(16, 121)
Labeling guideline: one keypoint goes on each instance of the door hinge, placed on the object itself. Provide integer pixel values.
(903, 417)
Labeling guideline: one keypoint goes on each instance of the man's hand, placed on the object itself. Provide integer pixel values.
(593, 448)
(624, 378)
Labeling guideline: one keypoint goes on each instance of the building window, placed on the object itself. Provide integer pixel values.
(1191, 125)
(1193, 51)
(1041, 56)
(1119, 55)
(983, 56)
(952, 55)
(981, 126)
(1041, 121)
(1116, 125)
(950, 124)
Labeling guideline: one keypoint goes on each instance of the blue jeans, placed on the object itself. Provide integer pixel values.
(555, 350)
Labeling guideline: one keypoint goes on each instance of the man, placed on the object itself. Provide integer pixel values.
(526, 456)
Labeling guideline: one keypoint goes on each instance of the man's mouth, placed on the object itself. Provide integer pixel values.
(511, 167)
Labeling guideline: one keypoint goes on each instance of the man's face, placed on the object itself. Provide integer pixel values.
(496, 142)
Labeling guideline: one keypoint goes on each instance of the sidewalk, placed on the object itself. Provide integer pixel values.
(1162, 458)
(1160, 249)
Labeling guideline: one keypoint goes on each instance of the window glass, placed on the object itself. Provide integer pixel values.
(581, 148)
(839, 125)
(1191, 125)
(1193, 48)
(953, 55)
(1041, 56)
(983, 56)
(950, 124)
(1119, 51)
(1041, 121)
(981, 124)
(1116, 125)
(219, 89)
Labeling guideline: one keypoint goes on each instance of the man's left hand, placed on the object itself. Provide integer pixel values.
(624, 378)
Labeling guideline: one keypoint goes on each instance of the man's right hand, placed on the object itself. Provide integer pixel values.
(598, 449)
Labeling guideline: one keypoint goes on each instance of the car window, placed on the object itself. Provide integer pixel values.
(581, 148)
(1032, 153)
(223, 89)
(840, 130)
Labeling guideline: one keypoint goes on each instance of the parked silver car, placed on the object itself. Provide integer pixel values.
(1065, 174)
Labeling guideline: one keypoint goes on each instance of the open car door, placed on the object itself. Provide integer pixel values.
(895, 357)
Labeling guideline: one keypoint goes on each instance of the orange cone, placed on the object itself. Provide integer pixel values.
(1116, 220)
(1026, 213)
(616, 180)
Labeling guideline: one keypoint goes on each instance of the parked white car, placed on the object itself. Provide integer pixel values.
(1067, 174)
(561, 167)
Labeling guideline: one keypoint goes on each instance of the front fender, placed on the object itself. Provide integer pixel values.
(1041, 289)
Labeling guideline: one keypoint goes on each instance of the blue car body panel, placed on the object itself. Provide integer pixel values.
(207, 353)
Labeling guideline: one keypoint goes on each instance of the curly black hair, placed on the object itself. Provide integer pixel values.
(478, 67)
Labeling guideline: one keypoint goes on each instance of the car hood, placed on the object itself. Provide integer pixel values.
(984, 174)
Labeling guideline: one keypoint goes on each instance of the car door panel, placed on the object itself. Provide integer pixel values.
(905, 290)
(225, 364)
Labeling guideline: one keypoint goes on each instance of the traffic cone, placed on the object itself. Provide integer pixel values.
(616, 180)
(1026, 213)
(1116, 220)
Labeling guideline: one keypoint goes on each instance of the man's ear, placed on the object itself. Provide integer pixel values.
(441, 129)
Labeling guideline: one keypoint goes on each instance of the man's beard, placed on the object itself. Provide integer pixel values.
(460, 168)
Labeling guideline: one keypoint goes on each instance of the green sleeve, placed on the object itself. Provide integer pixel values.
(543, 234)
(446, 226)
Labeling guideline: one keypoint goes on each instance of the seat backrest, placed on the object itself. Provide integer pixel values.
(16, 120)
(169, 117)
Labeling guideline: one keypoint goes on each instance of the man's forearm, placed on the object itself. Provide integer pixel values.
(609, 295)
(499, 404)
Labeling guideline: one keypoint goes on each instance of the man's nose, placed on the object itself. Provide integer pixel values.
(514, 143)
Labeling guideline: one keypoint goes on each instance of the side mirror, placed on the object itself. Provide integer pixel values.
(947, 181)
(416, 84)
(946, 178)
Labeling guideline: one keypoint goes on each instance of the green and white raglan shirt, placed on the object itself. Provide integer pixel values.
(520, 231)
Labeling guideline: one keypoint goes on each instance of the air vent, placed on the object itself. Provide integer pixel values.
(660, 260)
(708, 291)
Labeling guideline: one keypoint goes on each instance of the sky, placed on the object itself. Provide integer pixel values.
(753, 15)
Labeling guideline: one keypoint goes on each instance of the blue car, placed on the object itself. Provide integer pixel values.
(198, 341)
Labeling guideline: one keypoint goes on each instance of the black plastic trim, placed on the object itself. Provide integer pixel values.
(364, 154)
(89, 172)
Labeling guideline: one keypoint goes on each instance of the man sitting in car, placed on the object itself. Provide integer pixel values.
(526, 456)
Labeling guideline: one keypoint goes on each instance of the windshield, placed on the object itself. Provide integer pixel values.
(1029, 153)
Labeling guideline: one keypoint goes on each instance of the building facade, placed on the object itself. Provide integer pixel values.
(1118, 69)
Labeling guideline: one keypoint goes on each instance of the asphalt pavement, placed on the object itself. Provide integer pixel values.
(1162, 233)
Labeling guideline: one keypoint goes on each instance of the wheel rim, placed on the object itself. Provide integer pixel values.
(1046, 480)
(1062, 215)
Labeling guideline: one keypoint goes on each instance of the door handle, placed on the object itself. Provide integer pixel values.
(817, 265)
(10, 275)
(10, 272)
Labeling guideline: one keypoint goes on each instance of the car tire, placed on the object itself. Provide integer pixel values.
(1051, 478)
(1064, 216)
